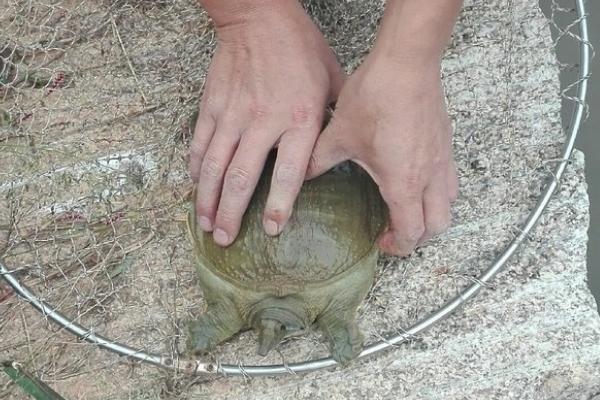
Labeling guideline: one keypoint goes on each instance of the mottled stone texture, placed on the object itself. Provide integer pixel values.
(94, 187)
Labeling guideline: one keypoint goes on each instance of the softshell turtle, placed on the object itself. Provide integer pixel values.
(318, 269)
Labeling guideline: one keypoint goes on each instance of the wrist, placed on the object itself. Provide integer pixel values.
(238, 13)
(412, 77)
(416, 33)
(407, 56)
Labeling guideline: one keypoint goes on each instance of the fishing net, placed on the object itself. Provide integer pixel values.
(95, 102)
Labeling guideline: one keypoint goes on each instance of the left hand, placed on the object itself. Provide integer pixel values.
(268, 86)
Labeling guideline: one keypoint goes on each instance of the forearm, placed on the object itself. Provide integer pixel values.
(417, 30)
(233, 12)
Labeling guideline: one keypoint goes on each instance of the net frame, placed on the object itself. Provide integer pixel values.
(196, 367)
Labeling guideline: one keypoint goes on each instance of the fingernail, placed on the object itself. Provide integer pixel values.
(205, 224)
(271, 227)
(422, 241)
(221, 237)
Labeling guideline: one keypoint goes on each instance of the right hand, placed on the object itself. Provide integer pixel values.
(391, 119)
(270, 81)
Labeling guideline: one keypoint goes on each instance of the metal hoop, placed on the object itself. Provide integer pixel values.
(199, 367)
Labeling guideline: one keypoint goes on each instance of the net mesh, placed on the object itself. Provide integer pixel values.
(95, 100)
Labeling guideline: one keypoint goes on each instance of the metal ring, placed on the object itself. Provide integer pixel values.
(199, 367)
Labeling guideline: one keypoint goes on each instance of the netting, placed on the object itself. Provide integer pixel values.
(95, 99)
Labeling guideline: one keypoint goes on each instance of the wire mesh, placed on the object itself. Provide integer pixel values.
(95, 99)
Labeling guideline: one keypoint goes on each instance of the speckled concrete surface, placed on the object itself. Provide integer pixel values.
(588, 140)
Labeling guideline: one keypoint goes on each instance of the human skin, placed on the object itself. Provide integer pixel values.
(391, 119)
(271, 78)
(269, 84)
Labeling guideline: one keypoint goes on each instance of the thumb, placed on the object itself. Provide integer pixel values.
(328, 151)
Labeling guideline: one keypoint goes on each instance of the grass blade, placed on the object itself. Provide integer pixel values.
(29, 383)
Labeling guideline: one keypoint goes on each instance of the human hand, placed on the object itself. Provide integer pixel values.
(269, 83)
(391, 119)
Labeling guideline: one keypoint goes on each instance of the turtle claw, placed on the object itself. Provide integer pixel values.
(345, 340)
(346, 344)
(213, 327)
(202, 337)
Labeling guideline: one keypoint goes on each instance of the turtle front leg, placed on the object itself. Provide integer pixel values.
(345, 339)
(217, 324)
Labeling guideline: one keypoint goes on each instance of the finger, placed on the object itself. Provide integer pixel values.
(214, 164)
(239, 184)
(452, 182)
(436, 207)
(203, 133)
(406, 222)
(328, 150)
(293, 155)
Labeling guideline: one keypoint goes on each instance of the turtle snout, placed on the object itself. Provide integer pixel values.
(270, 333)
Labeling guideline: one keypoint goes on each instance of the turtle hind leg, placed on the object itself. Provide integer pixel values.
(217, 324)
(345, 339)
(338, 319)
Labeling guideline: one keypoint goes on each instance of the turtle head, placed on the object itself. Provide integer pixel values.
(274, 318)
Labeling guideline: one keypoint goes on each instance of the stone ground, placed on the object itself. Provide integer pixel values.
(93, 198)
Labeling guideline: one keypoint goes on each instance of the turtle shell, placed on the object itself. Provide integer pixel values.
(336, 220)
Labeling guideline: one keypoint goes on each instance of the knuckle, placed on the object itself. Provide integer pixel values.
(203, 207)
(237, 179)
(259, 111)
(303, 114)
(225, 217)
(300, 114)
(211, 167)
(396, 195)
(196, 147)
(228, 119)
(208, 103)
(412, 180)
